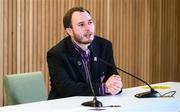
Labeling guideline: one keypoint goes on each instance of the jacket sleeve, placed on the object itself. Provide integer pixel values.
(107, 56)
(110, 59)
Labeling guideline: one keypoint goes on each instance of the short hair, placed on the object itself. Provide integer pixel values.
(68, 16)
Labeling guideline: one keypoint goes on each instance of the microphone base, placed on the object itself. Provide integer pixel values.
(149, 94)
(93, 103)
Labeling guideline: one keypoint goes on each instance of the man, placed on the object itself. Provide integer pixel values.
(71, 62)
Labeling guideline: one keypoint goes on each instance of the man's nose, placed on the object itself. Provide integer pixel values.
(87, 27)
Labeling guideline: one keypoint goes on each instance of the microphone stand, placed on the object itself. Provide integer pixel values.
(94, 102)
(150, 94)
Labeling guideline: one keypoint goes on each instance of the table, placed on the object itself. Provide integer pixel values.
(126, 100)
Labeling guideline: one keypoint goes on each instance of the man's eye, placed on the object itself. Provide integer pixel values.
(81, 25)
(90, 22)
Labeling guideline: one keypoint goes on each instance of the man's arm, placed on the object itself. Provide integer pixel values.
(114, 83)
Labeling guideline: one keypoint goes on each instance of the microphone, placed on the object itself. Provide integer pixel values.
(94, 102)
(149, 94)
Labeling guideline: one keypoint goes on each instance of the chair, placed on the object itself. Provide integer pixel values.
(24, 88)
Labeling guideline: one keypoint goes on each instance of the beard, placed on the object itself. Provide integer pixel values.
(83, 39)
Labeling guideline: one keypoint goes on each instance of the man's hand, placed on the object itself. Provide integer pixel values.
(113, 84)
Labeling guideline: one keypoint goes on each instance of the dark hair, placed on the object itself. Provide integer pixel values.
(67, 17)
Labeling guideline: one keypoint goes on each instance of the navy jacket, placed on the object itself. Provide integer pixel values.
(66, 70)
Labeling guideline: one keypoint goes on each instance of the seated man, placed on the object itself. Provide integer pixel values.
(71, 62)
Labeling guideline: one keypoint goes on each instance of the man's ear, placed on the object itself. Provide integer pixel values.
(69, 31)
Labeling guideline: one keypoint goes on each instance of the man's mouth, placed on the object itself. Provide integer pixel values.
(88, 35)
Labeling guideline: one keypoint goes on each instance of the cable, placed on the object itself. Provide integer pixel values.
(170, 92)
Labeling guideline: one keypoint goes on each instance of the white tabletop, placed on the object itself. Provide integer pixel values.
(126, 100)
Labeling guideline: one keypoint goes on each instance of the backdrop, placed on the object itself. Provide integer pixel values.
(145, 36)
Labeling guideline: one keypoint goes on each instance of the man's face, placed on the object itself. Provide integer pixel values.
(82, 30)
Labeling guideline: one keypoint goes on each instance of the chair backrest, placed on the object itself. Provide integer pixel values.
(24, 88)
